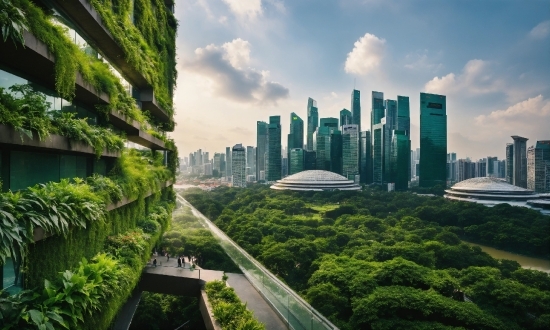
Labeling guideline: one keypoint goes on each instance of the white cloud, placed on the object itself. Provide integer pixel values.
(476, 78)
(421, 61)
(541, 30)
(527, 110)
(366, 55)
(245, 8)
(227, 68)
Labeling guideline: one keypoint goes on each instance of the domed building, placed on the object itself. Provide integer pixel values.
(315, 180)
(491, 191)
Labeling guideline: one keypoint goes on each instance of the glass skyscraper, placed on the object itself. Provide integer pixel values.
(329, 122)
(336, 151)
(251, 160)
(378, 138)
(322, 147)
(356, 109)
(345, 117)
(296, 160)
(433, 140)
(365, 169)
(377, 112)
(310, 160)
(238, 166)
(228, 168)
(520, 161)
(390, 117)
(295, 138)
(274, 157)
(312, 121)
(350, 151)
(404, 122)
(510, 163)
(401, 150)
(261, 149)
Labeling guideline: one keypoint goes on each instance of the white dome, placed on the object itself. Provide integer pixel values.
(315, 175)
(315, 180)
(489, 184)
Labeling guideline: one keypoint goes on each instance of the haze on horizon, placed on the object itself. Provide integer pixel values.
(240, 61)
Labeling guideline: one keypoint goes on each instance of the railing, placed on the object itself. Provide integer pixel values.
(296, 312)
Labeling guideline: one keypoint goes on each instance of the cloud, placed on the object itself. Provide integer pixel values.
(476, 78)
(527, 110)
(227, 67)
(420, 61)
(366, 55)
(541, 30)
(245, 8)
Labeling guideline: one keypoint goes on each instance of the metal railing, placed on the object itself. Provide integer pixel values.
(296, 312)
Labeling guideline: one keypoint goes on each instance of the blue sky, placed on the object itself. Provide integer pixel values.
(240, 61)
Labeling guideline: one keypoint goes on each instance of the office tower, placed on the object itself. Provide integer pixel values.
(356, 108)
(519, 169)
(350, 151)
(404, 122)
(206, 157)
(365, 169)
(377, 111)
(491, 171)
(191, 159)
(228, 164)
(216, 165)
(502, 169)
(284, 166)
(336, 151)
(310, 160)
(451, 167)
(401, 148)
(379, 135)
(295, 138)
(465, 170)
(200, 157)
(480, 169)
(238, 166)
(274, 159)
(312, 121)
(251, 160)
(346, 117)
(207, 169)
(222, 165)
(296, 160)
(390, 117)
(322, 147)
(537, 158)
(390, 113)
(510, 163)
(329, 122)
(261, 149)
(433, 140)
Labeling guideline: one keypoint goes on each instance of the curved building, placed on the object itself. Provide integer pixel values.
(315, 180)
(491, 191)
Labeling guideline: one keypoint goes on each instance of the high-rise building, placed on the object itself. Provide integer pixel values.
(346, 117)
(222, 165)
(296, 161)
(310, 160)
(401, 149)
(251, 160)
(295, 139)
(502, 169)
(336, 151)
(519, 168)
(216, 165)
(465, 170)
(433, 140)
(356, 108)
(537, 158)
(350, 151)
(329, 122)
(491, 170)
(510, 163)
(261, 149)
(377, 112)
(404, 122)
(228, 164)
(238, 166)
(390, 117)
(365, 169)
(200, 157)
(322, 147)
(480, 169)
(312, 121)
(379, 136)
(274, 158)
(206, 157)
(390, 113)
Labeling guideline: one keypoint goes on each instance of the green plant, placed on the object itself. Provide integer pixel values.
(12, 22)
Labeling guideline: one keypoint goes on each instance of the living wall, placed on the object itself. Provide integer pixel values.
(376, 260)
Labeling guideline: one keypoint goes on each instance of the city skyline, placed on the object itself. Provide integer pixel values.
(236, 62)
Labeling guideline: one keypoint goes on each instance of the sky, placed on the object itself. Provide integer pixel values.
(241, 61)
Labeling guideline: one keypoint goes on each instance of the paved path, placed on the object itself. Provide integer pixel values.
(255, 302)
(170, 267)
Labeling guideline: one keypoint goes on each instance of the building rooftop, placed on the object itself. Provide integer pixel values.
(316, 180)
(489, 185)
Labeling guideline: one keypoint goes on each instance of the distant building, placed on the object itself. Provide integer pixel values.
(365, 170)
(295, 141)
(315, 181)
(401, 149)
(310, 160)
(207, 169)
(336, 151)
(345, 117)
(404, 122)
(329, 122)
(274, 159)
(350, 151)
(228, 163)
(537, 158)
(379, 137)
(520, 161)
(321, 144)
(296, 160)
(261, 148)
(238, 166)
(491, 171)
(356, 109)
(312, 121)
(510, 163)
(433, 140)
(251, 160)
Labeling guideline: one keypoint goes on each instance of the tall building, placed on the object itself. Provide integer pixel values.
(274, 158)
(519, 168)
(390, 113)
(200, 157)
(238, 166)
(322, 147)
(228, 164)
(356, 108)
(310, 160)
(404, 122)
(379, 137)
(329, 122)
(336, 151)
(537, 158)
(346, 117)
(296, 160)
(491, 170)
(295, 138)
(261, 149)
(401, 149)
(216, 165)
(206, 157)
(377, 111)
(312, 121)
(350, 151)
(251, 160)
(390, 117)
(433, 140)
(510, 163)
(365, 169)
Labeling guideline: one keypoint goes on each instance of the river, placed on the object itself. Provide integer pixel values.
(524, 261)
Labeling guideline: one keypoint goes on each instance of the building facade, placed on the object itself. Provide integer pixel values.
(365, 170)
(274, 156)
(238, 166)
(296, 160)
(261, 149)
(350, 151)
(538, 157)
(312, 121)
(510, 163)
(433, 140)
(519, 167)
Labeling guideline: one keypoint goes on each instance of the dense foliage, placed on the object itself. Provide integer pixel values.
(391, 260)
(158, 311)
(228, 308)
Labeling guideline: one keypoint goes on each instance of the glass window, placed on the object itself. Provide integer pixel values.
(12, 280)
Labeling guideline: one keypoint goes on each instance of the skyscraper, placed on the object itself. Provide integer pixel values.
(228, 163)
(251, 160)
(296, 161)
(329, 122)
(401, 149)
(322, 147)
(238, 166)
(350, 151)
(491, 170)
(261, 149)
(537, 158)
(433, 140)
(312, 121)
(274, 158)
(390, 116)
(295, 139)
(310, 160)
(365, 168)
(510, 163)
(519, 169)
(379, 136)
(345, 117)
(404, 122)
(336, 151)
(390, 113)
(356, 108)
(377, 112)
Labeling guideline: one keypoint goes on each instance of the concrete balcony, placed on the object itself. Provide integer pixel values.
(149, 102)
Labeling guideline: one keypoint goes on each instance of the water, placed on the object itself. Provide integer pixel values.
(524, 261)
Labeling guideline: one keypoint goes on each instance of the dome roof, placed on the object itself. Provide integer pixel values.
(489, 184)
(316, 180)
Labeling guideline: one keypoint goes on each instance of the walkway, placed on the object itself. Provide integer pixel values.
(255, 302)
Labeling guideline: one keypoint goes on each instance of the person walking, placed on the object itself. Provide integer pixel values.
(167, 257)
(155, 262)
(179, 261)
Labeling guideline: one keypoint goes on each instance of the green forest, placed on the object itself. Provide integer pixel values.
(377, 260)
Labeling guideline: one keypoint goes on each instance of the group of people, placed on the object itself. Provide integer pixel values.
(181, 259)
